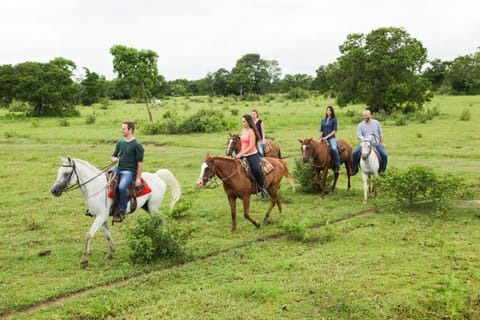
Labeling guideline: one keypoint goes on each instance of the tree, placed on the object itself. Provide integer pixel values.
(220, 82)
(291, 81)
(436, 72)
(47, 87)
(252, 74)
(383, 70)
(93, 87)
(464, 74)
(139, 69)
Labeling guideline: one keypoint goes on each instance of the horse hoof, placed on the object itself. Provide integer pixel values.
(257, 225)
(109, 256)
(364, 201)
(83, 264)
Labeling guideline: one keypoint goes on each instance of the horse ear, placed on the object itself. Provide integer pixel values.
(62, 159)
(299, 140)
(208, 155)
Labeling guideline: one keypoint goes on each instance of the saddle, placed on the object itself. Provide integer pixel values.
(267, 168)
(133, 191)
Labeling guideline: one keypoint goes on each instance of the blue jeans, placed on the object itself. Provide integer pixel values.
(381, 150)
(336, 156)
(126, 178)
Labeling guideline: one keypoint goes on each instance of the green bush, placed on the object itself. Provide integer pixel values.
(297, 94)
(91, 118)
(155, 238)
(419, 183)
(466, 115)
(303, 174)
(297, 231)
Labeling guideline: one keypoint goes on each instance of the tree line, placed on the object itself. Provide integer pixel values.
(386, 69)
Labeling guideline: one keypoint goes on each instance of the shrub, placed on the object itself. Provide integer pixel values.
(296, 231)
(303, 174)
(91, 118)
(63, 122)
(465, 116)
(419, 183)
(155, 238)
(297, 94)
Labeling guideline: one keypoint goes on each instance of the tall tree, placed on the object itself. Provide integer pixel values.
(139, 69)
(93, 87)
(383, 70)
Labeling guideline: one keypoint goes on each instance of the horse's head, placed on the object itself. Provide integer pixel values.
(306, 149)
(207, 171)
(233, 144)
(366, 146)
(66, 176)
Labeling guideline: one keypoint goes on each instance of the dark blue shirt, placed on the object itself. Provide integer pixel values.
(327, 127)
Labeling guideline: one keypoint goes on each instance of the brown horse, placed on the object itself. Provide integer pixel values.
(321, 156)
(271, 148)
(237, 184)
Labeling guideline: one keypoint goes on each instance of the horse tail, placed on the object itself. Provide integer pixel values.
(167, 176)
(287, 174)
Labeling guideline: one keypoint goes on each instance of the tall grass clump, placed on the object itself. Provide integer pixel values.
(154, 238)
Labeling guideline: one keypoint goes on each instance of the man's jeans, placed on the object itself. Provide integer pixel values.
(126, 178)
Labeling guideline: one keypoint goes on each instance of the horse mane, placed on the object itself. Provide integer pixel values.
(86, 164)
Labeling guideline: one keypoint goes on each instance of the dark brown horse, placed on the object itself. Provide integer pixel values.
(237, 184)
(319, 153)
(271, 148)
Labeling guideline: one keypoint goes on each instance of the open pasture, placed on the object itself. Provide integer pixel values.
(387, 264)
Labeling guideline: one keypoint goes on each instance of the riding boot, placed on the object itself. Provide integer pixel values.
(264, 192)
(118, 217)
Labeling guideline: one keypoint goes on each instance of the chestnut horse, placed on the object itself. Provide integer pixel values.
(237, 184)
(321, 156)
(271, 148)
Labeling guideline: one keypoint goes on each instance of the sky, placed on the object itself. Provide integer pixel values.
(195, 37)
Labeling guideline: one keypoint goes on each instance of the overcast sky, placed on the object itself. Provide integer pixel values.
(194, 37)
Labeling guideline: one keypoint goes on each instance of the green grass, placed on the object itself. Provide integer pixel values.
(393, 264)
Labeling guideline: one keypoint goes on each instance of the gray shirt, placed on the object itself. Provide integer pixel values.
(372, 128)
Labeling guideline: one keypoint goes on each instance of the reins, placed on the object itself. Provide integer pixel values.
(78, 185)
(207, 186)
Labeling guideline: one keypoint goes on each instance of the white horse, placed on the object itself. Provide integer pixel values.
(77, 173)
(369, 164)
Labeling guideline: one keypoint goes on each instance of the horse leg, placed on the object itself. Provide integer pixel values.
(335, 174)
(348, 167)
(233, 209)
(246, 209)
(99, 221)
(274, 200)
(324, 182)
(108, 235)
(365, 179)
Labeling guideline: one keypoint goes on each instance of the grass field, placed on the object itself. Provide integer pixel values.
(389, 263)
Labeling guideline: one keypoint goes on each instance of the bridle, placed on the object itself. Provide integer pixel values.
(78, 184)
(365, 156)
(310, 155)
(213, 174)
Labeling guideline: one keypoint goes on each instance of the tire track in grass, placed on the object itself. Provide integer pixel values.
(83, 292)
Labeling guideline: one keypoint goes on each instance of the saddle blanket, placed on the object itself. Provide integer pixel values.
(140, 191)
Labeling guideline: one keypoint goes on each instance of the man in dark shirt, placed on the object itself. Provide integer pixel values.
(129, 155)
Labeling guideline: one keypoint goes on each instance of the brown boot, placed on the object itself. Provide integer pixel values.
(118, 217)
